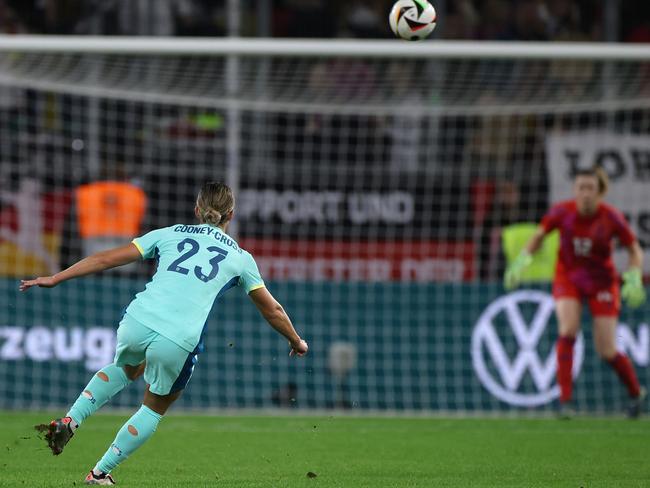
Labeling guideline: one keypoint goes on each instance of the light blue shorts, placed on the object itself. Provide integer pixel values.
(169, 367)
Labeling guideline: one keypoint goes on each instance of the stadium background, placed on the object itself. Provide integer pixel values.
(378, 226)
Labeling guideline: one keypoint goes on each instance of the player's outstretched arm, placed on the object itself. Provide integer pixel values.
(513, 274)
(636, 256)
(91, 264)
(535, 242)
(275, 315)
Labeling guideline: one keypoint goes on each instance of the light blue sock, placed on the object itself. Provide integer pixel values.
(107, 382)
(131, 436)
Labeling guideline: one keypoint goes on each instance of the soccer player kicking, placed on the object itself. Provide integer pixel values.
(585, 271)
(161, 332)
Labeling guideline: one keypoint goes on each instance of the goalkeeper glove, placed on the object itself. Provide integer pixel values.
(633, 292)
(513, 274)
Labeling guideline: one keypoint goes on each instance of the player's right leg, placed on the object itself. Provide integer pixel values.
(132, 341)
(133, 434)
(568, 311)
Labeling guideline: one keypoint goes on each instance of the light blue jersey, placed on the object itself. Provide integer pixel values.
(196, 265)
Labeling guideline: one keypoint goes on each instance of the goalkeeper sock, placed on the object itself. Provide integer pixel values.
(565, 367)
(107, 382)
(625, 371)
(131, 436)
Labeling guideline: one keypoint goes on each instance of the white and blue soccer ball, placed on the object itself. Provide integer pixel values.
(412, 20)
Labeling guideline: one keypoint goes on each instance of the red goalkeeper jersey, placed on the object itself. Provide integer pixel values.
(586, 244)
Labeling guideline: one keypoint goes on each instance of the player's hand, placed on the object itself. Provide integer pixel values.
(43, 282)
(512, 277)
(632, 291)
(299, 348)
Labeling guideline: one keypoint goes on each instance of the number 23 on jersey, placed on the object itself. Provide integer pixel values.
(192, 249)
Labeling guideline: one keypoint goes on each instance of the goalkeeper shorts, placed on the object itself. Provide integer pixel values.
(605, 302)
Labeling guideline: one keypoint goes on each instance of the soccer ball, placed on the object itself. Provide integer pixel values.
(412, 20)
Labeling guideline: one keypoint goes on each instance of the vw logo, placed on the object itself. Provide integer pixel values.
(499, 372)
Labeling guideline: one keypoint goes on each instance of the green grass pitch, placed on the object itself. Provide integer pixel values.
(197, 451)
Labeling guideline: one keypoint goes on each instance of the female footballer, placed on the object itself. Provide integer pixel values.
(160, 334)
(585, 272)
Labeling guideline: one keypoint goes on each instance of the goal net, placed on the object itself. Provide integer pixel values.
(381, 187)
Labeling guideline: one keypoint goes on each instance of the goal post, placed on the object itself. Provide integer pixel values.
(260, 47)
(375, 182)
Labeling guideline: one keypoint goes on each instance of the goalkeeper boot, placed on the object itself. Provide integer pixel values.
(565, 411)
(57, 434)
(99, 479)
(636, 404)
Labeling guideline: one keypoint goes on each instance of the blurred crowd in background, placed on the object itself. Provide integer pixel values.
(539, 20)
(469, 174)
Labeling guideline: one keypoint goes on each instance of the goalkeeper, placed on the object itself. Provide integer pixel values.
(161, 332)
(585, 273)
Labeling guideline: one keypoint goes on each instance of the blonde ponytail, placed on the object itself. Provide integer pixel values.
(210, 216)
(215, 202)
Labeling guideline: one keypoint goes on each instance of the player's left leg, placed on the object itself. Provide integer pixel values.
(605, 342)
(133, 339)
(132, 342)
(107, 382)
